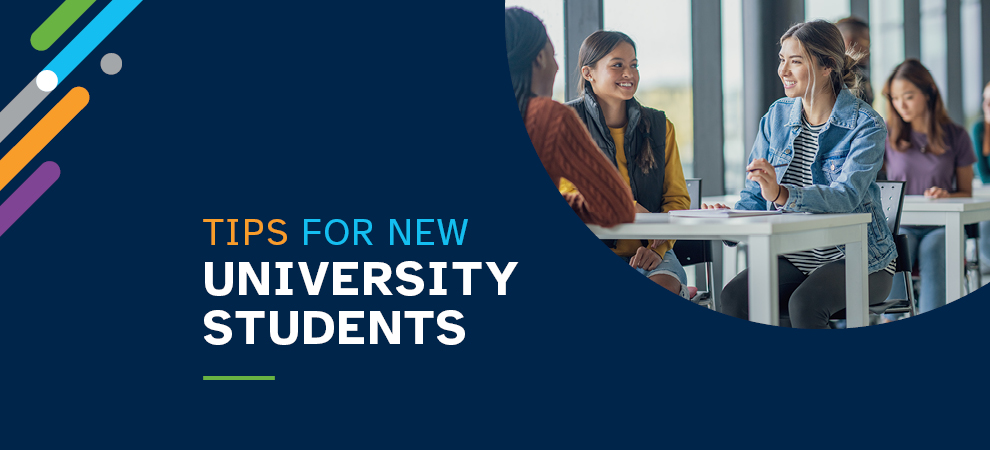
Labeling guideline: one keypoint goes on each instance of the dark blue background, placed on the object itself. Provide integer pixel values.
(332, 110)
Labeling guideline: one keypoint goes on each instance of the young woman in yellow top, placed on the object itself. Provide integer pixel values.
(639, 141)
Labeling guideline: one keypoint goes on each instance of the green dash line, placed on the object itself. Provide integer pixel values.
(239, 377)
(56, 24)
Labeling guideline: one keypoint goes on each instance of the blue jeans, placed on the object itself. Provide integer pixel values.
(670, 265)
(926, 246)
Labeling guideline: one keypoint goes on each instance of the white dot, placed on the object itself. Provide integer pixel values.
(47, 80)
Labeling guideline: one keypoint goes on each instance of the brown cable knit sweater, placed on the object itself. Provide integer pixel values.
(567, 150)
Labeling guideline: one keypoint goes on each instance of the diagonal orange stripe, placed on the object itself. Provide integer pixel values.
(42, 133)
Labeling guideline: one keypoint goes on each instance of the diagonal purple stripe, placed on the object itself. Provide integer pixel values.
(27, 194)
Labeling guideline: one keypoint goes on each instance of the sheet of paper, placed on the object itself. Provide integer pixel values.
(713, 213)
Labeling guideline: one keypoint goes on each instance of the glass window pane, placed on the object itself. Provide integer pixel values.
(933, 42)
(829, 10)
(552, 14)
(662, 32)
(972, 61)
(886, 45)
(735, 149)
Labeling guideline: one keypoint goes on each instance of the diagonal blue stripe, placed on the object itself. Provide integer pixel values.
(90, 37)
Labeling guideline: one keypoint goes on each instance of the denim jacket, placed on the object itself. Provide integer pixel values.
(850, 153)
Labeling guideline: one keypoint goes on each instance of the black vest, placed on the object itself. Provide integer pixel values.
(647, 188)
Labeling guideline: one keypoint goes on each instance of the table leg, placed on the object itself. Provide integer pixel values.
(764, 297)
(857, 287)
(954, 241)
(717, 272)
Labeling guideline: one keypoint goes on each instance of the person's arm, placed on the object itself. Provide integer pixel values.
(602, 198)
(965, 158)
(675, 193)
(982, 161)
(978, 131)
(750, 197)
(964, 182)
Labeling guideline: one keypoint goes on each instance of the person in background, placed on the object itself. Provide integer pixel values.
(933, 156)
(637, 140)
(856, 35)
(559, 137)
(818, 151)
(981, 144)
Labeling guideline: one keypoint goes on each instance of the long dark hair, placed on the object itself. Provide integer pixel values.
(593, 49)
(525, 37)
(823, 42)
(986, 130)
(898, 131)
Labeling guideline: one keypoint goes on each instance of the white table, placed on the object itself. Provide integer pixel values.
(768, 237)
(953, 214)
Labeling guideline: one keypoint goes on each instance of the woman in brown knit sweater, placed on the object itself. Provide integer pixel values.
(560, 138)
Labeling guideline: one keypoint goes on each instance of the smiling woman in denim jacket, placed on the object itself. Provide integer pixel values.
(818, 151)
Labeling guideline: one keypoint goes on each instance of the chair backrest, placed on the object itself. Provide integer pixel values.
(972, 231)
(891, 199)
(694, 190)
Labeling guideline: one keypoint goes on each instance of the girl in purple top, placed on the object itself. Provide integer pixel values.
(933, 156)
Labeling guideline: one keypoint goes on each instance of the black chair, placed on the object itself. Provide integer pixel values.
(691, 253)
(891, 199)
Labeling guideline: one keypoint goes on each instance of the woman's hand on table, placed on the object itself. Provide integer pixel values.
(645, 259)
(714, 206)
(656, 242)
(936, 192)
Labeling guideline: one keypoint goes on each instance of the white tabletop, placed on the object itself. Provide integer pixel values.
(768, 237)
(920, 203)
(664, 226)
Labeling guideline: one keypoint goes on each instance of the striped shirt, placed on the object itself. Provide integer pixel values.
(798, 173)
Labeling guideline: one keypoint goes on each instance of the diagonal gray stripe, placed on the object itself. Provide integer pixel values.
(18, 109)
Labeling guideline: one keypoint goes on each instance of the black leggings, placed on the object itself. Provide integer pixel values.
(808, 300)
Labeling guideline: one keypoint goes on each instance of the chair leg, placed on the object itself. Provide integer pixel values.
(710, 283)
(976, 262)
(968, 284)
(909, 288)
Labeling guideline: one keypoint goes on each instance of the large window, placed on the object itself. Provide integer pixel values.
(662, 32)
(886, 45)
(830, 10)
(735, 149)
(972, 61)
(552, 14)
(933, 42)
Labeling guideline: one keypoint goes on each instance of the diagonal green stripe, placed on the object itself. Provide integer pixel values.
(238, 377)
(58, 22)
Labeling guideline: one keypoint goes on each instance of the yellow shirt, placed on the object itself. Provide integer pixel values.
(675, 194)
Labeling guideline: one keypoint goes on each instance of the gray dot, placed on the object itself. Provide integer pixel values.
(111, 63)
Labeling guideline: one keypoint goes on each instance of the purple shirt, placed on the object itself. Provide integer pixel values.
(921, 171)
